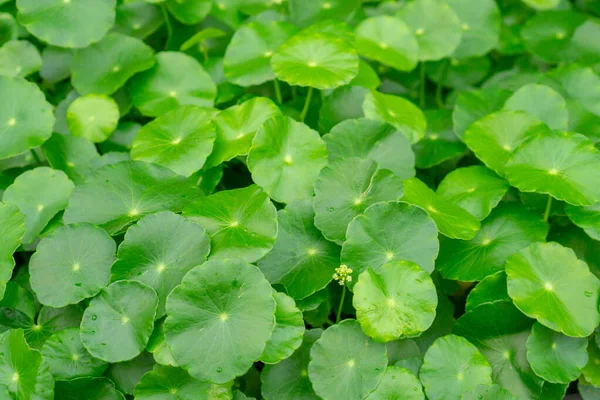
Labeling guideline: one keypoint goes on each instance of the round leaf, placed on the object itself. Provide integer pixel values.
(473, 105)
(288, 332)
(123, 310)
(241, 223)
(71, 264)
(286, 158)
(180, 140)
(99, 388)
(206, 314)
(344, 363)
(587, 218)
(480, 24)
(19, 58)
(341, 104)
(546, 281)
(71, 154)
(301, 260)
(304, 13)
(440, 142)
(93, 117)
(189, 12)
(398, 380)
(138, 19)
(491, 392)
(158, 251)
(12, 230)
(542, 102)
(397, 299)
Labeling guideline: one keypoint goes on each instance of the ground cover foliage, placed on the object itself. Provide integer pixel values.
(299, 199)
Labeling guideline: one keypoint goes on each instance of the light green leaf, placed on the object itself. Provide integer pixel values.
(12, 230)
(543, 102)
(93, 117)
(473, 105)
(587, 218)
(19, 58)
(189, 12)
(398, 380)
(491, 392)
(481, 22)
(307, 12)
(288, 332)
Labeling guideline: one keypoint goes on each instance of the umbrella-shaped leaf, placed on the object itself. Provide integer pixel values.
(582, 84)
(116, 195)
(68, 359)
(159, 250)
(436, 27)
(26, 117)
(366, 77)
(591, 372)
(241, 223)
(488, 392)
(491, 288)
(95, 388)
(93, 117)
(555, 357)
(247, 60)
(398, 380)
(318, 60)
(542, 102)
(396, 299)
(286, 158)
(22, 369)
(288, 379)
(124, 310)
(40, 194)
(345, 188)
(12, 230)
(71, 264)
(452, 367)
(562, 164)
(208, 311)
(372, 140)
(71, 154)
(480, 24)
(19, 58)
(440, 142)
(398, 112)
(104, 67)
(56, 64)
(495, 137)
(307, 12)
(189, 12)
(476, 189)
(508, 229)
(177, 79)
(236, 127)
(72, 23)
(473, 105)
(344, 363)
(389, 41)
(301, 260)
(390, 231)
(587, 218)
(138, 19)
(180, 140)
(547, 282)
(288, 332)
(451, 220)
(341, 104)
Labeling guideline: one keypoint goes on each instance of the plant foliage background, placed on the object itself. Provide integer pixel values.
(299, 199)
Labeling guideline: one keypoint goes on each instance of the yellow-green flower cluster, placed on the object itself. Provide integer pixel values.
(343, 274)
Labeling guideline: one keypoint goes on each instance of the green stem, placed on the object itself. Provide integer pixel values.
(277, 91)
(422, 86)
(440, 85)
(548, 207)
(306, 104)
(204, 50)
(165, 14)
(339, 311)
(35, 156)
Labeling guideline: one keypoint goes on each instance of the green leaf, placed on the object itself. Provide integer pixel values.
(508, 229)
(158, 251)
(71, 154)
(241, 223)
(93, 117)
(175, 80)
(398, 299)
(440, 142)
(372, 140)
(543, 102)
(247, 60)
(318, 60)
(390, 231)
(491, 392)
(305, 13)
(341, 104)
(561, 164)
(189, 12)
(475, 189)
(398, 112)
(200, 38)
(26, 117)
(116, 195)
(301, 260)
(97, 388)
(587, 218)
(476, 104)
(138, 19)
(214, 302)
(39, 194)
(68, 359)
(104, 67)
(480, 24)
(19, 58)
(286, 158)
(547, 282)
(580, 83)
(452, 367)
(436, 27)
(451, 220)
(157, 345)
(344, 363)
(459, 73)
(398, 380)
(555, 357)
(124, 310)
(345, 188)
(127, 374)
(491, 288)
(542, 4)
(288, 332)
(71, 264)
(389, 41)
(180, 140)
(74, 23)
(12, 230)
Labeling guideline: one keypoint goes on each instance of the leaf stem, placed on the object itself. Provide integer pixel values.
(422, 85)
(204, 50)
(440, 85)
(339, 311)
(306, 104)
(277, 91)
(165, 14)
(35, 156)
(548, 207)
